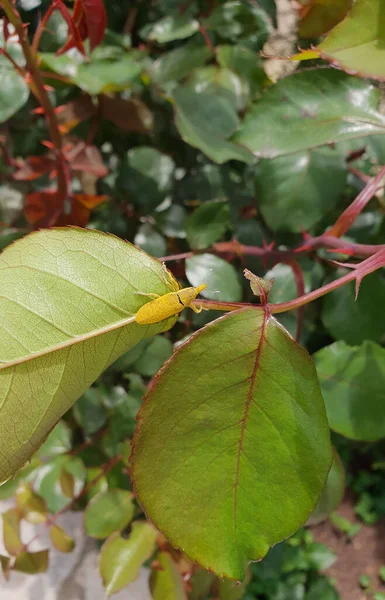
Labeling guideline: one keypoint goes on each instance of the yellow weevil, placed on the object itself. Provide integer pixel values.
(168, 305)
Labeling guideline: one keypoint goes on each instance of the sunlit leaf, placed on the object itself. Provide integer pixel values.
(240, 463)
(166, 582)
(15, 90)
(320, 16)
(221, 277)
(32, 562)
(60, 540)
(67, 309)
(108, 512)
(333, 492)
(121, 558)
(33, 507)
(11, 531)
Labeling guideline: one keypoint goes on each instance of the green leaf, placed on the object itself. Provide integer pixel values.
(59, 441)
(221, 277)
(321, 16)
(167, 583)
(172, 222)
(155, 355)
(220, 83)
(89, 411)
(67, 308)
(121, 559)
(33, 507)
(31, 562)
(15, 90)
(206, 122)
(309, 109)
(352, 381)
(231, 456)
(98, 76)
(48, 483)
(353, 320)
(108, 512)
(245, 63)
(241, 22)
(207, 224)
(60, 540)
(291, 189)
(11, 531)
(322, 588)
(150, 240)
(175, 65)
(146, 177)
(173, 27)
(357, 44)
(333, 492)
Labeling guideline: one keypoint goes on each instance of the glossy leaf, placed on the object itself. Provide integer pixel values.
(309, 109)
(60, 540)
(150, 240)
(240, 463)
(49, 483)
(357, 44)
(221, 278)
(291, 189)
(177, 64)
(245, 63)
(352, 381)
(32, 562)
(59, 441)
(166, 582)
(15, 90)
(78, 289)
(206, 121)
(207, 224)
(240, 22)
(155, 355)
(145, 177)
(333, 492)
(89, 411)
(320, 16)
(11, 531)
(220, 83)
(121, 558)
(173, 27)
(108, 512)
(355, 320)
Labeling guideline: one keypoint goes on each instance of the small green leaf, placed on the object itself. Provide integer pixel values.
(333, 492)
(31, 562)
(260, 287)
(231, 457)
(381, 573)
(355, 320)
(291, 189)
(121, 559)
(15, 90)
(61, 541)
(67, 482)
(145, 177)
(78, 289)
(207, 224)
(175, 65)
(89, 411)
(48, 482)
(357, 44)
(154, 356)
(308, 109)
(11, 531)
(352, 381)
(240, 22)
(245, 63)
(220, 83)
(108, 512)
(59, 441)
(219, 275)
(166, 583)
(364, 581)
(207, 122)
(5, 564)
(150, 240)
(173, 27)
(33, 507)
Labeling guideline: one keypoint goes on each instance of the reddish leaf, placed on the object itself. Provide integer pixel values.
(33, 168)
(74, 38)
(87, 159)
(95, 18)
(81, 207)
(73, 113)
(128, 115)
(43, 208)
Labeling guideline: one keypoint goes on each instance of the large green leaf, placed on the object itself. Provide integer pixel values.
(232, 448)
(357, 45)
(355, 320)
(206, 121)
(353, 381)
(291, 189)
(66, 312)
(108, 512)
(308, 109)
(15, 91)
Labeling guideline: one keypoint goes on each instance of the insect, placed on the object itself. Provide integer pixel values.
(168, 305)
